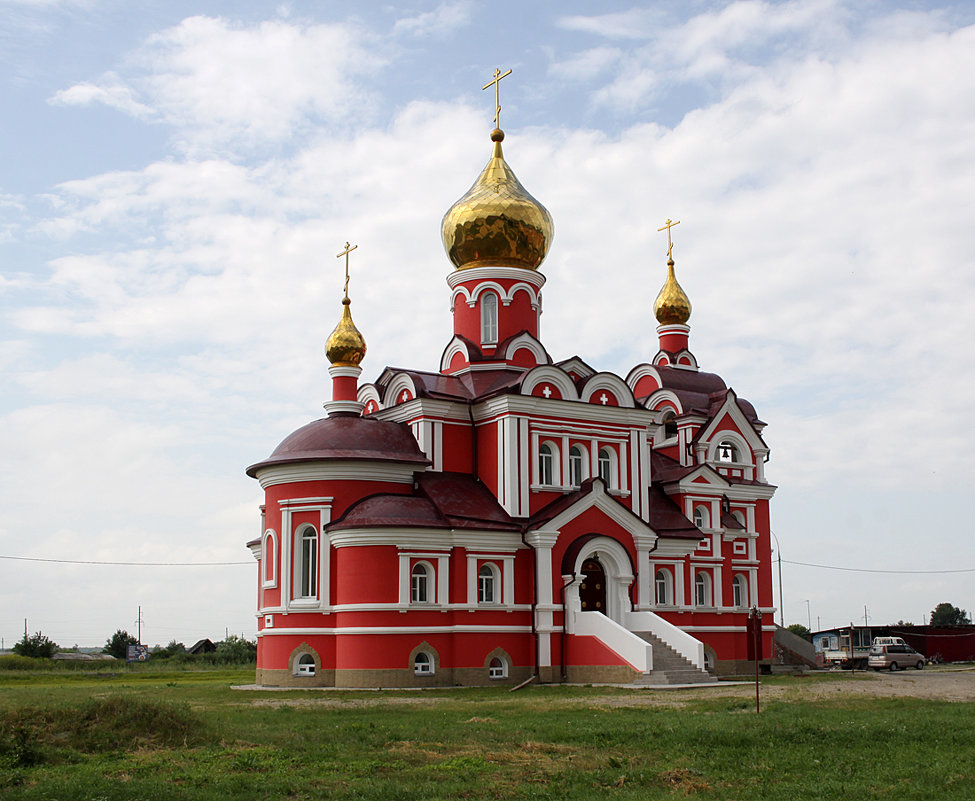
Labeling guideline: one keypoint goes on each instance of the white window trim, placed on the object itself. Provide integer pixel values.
(500, 672)
(300, 597)
(270, 536)
(489, 327)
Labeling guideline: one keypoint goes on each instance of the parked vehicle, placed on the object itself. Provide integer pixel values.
(893, 653)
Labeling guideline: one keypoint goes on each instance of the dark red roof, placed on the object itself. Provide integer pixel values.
(468, 386)
(666, 518)
(464, 501)
(346, 437)
(440, 500)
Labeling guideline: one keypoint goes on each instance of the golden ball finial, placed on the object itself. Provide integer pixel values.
(672, 305)
(497, 223)
(345, 346)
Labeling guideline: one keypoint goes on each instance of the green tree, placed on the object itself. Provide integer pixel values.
(236, 651)
(36, 645)
(800, 630)
(118, 642)
(947, 615)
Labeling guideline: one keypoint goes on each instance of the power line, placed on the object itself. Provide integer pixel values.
(125, 564)
(871, 570)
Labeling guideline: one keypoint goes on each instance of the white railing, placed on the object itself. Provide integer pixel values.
(638, 652)
(682, 642)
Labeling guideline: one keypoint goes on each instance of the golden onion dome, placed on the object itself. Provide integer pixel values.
(672, 305)
(497, 222)
(345, 346)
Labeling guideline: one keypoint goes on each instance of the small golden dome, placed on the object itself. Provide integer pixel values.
(672, 305)
(497, 222)
(345, 346)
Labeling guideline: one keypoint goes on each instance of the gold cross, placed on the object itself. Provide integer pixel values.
(668, 225)
(348, 249)
(498, 75)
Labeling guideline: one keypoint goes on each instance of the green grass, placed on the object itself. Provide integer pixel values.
(168, 735)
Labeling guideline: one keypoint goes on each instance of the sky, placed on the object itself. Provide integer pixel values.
(176, 179)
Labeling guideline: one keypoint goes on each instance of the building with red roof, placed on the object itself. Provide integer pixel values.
(512, 516)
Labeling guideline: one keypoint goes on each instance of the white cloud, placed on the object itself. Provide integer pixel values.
(220, 84)
(443, 20)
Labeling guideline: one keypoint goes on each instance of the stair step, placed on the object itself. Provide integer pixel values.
(669, 667)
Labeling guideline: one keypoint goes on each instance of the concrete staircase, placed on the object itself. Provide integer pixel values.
(669, 667)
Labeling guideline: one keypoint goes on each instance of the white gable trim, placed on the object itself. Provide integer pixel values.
(553, 375)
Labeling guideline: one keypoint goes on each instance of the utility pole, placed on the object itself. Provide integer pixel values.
(865, 621)
(139, 623)
(808, 615)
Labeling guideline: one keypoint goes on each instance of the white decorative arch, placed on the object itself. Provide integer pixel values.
(643, 371)
(552, 375)
(527, 342)
(664, 398)
(483, 287)
(455, 346)
(612, 383)
(458, 291)
(394, 389)
(736, 439)
(533, 297)
(619, 575)
(368, 393)
(269, 552)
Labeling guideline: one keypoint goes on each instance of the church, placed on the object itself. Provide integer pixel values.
(514, 516)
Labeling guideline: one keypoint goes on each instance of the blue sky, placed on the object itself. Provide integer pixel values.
(177, 178)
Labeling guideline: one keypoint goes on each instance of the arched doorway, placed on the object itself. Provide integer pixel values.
(592, 589)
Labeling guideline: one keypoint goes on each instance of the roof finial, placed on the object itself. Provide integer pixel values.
(348, 249)
(497, 134)
(670, 245)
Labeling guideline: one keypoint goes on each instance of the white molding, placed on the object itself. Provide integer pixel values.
(604, 381)
(429, 539)
(337, 469)
(343, 371)
(345, 631)
(477, 274)
(344, 407)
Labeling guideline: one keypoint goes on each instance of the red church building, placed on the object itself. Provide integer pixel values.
(512, 515)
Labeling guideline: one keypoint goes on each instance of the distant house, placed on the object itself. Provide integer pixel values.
(950, 643)
(202, 647)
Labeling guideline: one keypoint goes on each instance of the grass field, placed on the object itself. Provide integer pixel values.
(166, 734)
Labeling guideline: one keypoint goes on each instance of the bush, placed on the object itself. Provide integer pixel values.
(118, 643)
(36, 646)
(235, 651)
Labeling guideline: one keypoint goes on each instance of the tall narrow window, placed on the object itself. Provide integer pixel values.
(546, 465)
(576, 465)
(308, 563)
(670, 424)
(738, 590)
(489, 318)
(606, 466)
(702, 590)
(487, 590)
(420, 583)
(701, 517)
(663, 587)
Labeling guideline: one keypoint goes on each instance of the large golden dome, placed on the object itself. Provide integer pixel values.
(497, 222)
(672, 305)
(345, 346)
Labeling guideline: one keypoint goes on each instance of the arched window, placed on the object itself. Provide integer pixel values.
(727, 451)
(423, 664)
(487, 584)
(420, 580)
(670, 424)
(498, 668)
(606, 463)
(577, 465)
(701, 517)
(269, 559)
(305, 666)
(307, 567)
(489, 318)
(739, 591)
(546, 464)
(665, 595)
(702, 589)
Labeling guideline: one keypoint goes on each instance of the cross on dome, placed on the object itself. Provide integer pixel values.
(348, 249)
(668, 225)
(496, 82)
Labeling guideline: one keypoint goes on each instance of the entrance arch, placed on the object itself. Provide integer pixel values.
(594, 559)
